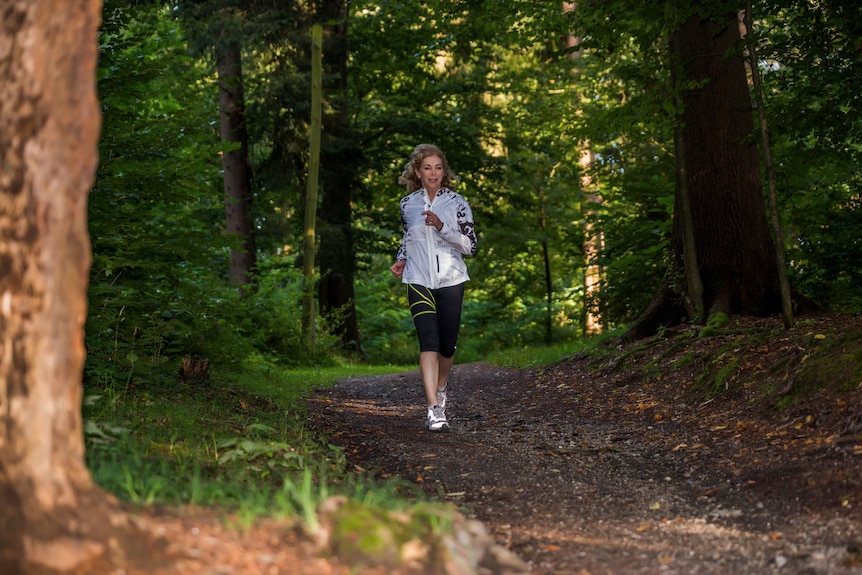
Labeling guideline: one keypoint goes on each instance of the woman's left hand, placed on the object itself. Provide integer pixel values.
(431, 219)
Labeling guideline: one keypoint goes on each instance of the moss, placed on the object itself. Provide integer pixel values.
(720, 382)
(715, 324)
(364, 534)
(833, 371)
(687, 359)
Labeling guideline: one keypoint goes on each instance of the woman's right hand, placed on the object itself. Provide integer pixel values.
(398, 268)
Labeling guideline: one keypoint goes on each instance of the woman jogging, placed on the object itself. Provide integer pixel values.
(438, 230)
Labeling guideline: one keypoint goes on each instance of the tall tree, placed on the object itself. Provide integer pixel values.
(340, 161)
(220, 27)
(235, 161)
(53, 517)
(769, 165)
(591, 319)
(309, 318)
(733, 243)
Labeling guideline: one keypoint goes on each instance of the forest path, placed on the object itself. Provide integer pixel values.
(584, 472)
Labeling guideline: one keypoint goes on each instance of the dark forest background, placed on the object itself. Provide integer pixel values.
(577, 130)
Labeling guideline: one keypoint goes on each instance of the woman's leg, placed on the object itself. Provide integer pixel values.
(445, 366)
(429, 365)
(449, 303)
(437, 317)
(423, 307)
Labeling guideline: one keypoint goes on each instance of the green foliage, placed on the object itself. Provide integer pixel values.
(827, 255)
(512, 104)
(238, 441)
(158, 288)
(533, 357)
(386, 326)
(154, 216)
(270, 315)
(810, 60)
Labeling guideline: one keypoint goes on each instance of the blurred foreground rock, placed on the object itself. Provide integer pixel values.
(430, 539)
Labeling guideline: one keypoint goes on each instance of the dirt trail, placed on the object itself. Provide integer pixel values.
(586, 472)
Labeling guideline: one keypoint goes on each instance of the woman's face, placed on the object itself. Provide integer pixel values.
(430, 173)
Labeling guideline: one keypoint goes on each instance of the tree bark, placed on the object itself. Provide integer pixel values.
(693, 297)
(734, 246)
(235, 162)
(591, 323)
(309, 317)
(771, 179)
(53, 518)
(733, 242)
(339, 157)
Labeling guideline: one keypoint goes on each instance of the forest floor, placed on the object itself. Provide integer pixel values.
(738, 453)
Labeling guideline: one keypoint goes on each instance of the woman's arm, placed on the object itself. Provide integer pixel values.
(464, 237)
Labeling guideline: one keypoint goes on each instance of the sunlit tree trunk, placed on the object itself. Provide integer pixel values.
(593, 245)
(235, 162)
(593, 237)
(52, 517)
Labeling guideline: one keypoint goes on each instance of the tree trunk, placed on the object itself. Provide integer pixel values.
(593, 244)
(733, 243)
(593, 237)
(53, 518)
(693, 297)
(549, 295)
(771, 179)
(235, 162)
(546, 260)
(339, 156)
(309, 317)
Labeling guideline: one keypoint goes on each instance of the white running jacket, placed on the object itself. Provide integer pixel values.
(434, 259)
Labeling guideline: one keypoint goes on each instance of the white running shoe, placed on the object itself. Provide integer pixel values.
(437, 419)
(441, 398)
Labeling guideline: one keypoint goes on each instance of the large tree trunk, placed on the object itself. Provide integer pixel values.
(733, 243)
(339, 156)
(236, 163)
(52, 517)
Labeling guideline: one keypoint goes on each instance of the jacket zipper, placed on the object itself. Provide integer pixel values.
(430, 244)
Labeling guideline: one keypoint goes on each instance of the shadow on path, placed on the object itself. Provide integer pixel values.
(579, 475)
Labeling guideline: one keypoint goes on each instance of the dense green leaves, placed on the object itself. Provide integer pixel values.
(159, 288)
(153, 206)
(515, 93)
(812, 66)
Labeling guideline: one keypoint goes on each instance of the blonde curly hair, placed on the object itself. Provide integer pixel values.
(408, 176)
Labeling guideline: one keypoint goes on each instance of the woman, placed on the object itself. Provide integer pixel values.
(438, 230)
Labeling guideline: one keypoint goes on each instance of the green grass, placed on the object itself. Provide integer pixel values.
(290, 386)
(238, 441)
(538, 356)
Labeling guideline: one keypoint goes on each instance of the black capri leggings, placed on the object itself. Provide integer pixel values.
(437, 316)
